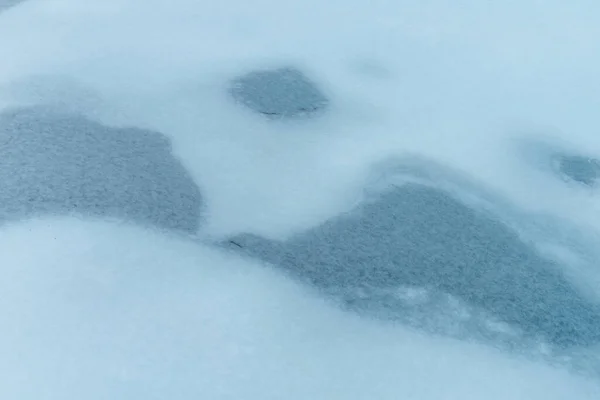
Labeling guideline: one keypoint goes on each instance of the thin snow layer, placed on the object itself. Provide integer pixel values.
(93, 310)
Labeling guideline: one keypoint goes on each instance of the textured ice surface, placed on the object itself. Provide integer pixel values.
(421, 237)
(56, 163)
(4, 4)
(283, 92)
(581, 169)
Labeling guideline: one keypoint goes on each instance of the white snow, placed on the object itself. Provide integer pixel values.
(97, 310)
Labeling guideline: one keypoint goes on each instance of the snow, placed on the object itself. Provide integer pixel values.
(100, 310)
(114, 295)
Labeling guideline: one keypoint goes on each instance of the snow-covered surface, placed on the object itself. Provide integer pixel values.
(93, 310)
(492, 104)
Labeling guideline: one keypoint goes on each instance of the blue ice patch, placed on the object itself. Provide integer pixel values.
(60, 163)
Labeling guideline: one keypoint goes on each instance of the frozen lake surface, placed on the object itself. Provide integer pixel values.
(299, 199)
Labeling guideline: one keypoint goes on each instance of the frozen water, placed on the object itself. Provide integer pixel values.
(4, 4)
(284, 92)
(421, 237)
(57, 163)
(489, 91)
(580, 169)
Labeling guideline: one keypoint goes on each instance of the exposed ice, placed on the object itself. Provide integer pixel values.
(53, 162)
(279, 93)
(138, 111)
(414, 235)
(579, 168)
(4, 4)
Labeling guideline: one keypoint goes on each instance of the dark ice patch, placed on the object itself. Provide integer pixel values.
(284, 92)
(417, 236)
(53, 163)
(580, 169)
(4, 4)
